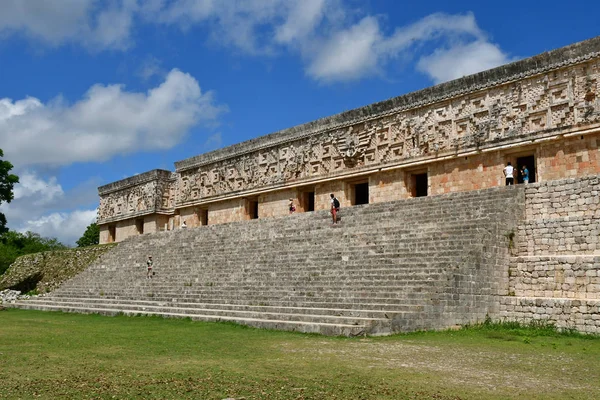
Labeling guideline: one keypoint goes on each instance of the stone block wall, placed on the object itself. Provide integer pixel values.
(573, 157)
(227, 211)
(275, 204)
(555, 274)
(579, 314)
(562, 217)
(556, 277)
(389, 186)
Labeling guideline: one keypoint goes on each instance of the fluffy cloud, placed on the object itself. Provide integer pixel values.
(38, 202)
(107, 121)
(66, 227)
(364, 49)
(463, 59)
(349, 54)
(335, 42)
(57, 22)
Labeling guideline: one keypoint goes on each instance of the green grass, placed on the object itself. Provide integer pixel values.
(56, 355)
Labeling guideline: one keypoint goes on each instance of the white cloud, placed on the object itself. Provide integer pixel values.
(43, 192)
(336, 42)
(349, 54)
(246, 25)
(39, 206)
(56, 22)
(66, 227)
(464, 59)
(301, 21)
(106, 122)
(364, 49)
(151, 66)
(213, 142)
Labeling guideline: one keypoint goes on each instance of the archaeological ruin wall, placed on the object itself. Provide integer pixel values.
(554, 275)
(136, 205)
(452, 137)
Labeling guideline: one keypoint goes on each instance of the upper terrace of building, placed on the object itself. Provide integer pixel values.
(518, 70)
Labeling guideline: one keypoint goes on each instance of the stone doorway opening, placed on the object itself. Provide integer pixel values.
(419, 184)
(308, 201)
(528, 161)
(139, 226)
(112, 233)
(202, 215)
(252, 208)
(361, 193)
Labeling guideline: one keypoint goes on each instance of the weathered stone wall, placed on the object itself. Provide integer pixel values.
(555, 275)
(140, 195)
(570, 158)
(563, 217)
(389, 186)
(565, 313)
(228, 211)
(531, 105)
(460, 133)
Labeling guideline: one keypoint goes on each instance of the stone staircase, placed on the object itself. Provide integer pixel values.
(423, 263)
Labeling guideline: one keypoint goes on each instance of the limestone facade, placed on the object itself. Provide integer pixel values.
(458, 136)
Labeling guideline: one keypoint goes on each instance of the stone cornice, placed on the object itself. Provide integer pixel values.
(151, 211)
(542, 63)
(155, 174)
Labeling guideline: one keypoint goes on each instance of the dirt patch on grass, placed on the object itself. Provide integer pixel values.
(490, 369)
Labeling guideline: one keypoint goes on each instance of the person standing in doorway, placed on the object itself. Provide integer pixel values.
(335, 207)
(292, 207)
(149, 264)
(525, 174)
(509, 172)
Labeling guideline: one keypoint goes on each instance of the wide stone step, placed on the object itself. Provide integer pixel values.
(314, 324)
(225, 309)
(346, 302)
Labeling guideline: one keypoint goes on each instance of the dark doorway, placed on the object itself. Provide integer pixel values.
(528, 161)
(139, 225)
(112, 233)
(420, 185)
(202, 216)
(361, 193)
(310, 201)
(253, 209)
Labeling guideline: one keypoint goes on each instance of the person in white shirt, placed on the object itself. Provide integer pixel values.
(509, 174)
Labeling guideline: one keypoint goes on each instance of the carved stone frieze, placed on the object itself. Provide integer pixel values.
(557, 99)
(554, 91)
(150, 192)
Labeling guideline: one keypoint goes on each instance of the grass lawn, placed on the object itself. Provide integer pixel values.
(56, 355)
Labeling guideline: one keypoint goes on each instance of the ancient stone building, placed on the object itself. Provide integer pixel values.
(542, 112)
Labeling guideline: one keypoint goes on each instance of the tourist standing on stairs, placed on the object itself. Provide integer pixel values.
(509, 174)
(335, 207)
(149, 264)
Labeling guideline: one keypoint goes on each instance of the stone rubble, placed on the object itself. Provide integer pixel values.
(10, 296)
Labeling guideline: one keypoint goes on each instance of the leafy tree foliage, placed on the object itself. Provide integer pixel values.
(7, 182)
(15, 244)
(90, 237)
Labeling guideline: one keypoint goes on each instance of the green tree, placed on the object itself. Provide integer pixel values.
(90, 237)
(7, 181)
(14, 244)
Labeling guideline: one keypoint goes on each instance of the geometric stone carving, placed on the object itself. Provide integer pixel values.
(471, 121)
(525, 100)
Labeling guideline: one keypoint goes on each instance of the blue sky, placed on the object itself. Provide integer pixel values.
(94, 91)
